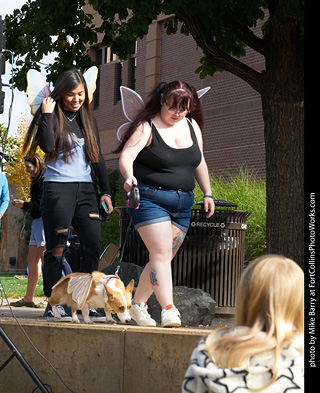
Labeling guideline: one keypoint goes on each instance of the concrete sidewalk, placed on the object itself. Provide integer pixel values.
(37, 314)
(21, 312)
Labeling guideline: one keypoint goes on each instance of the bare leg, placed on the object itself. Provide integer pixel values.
(163, 241)
(35, 255)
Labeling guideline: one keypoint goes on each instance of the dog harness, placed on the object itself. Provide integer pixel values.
(80, 285)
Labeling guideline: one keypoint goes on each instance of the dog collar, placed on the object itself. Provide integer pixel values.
(109, 308)
(110, 277)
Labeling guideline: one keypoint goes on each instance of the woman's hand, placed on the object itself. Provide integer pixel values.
(209, 206)
(48, 105)
(129, 182)
(108, 202)
(18, 203)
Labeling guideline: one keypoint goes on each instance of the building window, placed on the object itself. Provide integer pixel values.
(99, 53)
(110, 56)
(96, 94)
(118, 81)
(104, 55)
(132, 63)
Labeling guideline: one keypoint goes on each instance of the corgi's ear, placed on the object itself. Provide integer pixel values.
(129, 287)
(110, 293)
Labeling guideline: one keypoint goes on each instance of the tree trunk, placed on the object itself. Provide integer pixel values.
(282, 94)
(282, 91)
(284, 140)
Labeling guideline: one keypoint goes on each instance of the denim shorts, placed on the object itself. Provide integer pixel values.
(159, 205)
(37, 233)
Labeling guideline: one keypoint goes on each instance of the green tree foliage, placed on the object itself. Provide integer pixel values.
(222, 29)
(9, 147)
(15, 168)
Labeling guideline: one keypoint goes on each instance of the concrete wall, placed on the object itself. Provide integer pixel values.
(99, 358)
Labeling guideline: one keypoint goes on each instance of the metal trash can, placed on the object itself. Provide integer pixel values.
(211, 257)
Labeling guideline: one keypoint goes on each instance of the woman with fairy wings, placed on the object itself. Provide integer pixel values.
(64, 128)
(161, 153)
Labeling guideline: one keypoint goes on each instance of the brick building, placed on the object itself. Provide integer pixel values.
(233, 131)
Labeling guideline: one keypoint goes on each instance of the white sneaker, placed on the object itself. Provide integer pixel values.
(139, 313)
(64, 317)
(170, 318)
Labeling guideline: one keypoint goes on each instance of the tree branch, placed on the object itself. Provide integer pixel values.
(215, 56)
(248, 37)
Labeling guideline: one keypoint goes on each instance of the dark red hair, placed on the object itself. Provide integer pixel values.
(178, 94)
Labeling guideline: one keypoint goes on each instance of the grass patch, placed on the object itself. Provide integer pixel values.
(15, 288)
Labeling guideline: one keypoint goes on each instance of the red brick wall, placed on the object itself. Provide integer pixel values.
(233, 131)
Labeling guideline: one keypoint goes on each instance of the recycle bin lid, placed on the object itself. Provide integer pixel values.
(219, 202)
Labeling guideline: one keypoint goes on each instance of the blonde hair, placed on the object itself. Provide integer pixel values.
(270, 303)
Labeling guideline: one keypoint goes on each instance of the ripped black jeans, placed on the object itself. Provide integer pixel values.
(63, 205)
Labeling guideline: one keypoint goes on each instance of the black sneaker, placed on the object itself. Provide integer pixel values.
(97, 315)
(49, 313)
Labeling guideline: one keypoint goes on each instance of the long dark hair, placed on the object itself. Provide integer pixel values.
(178, 94)
(66, 82)
(37, 161)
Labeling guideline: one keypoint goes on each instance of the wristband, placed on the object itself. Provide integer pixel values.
(107, 195)
(208, 196)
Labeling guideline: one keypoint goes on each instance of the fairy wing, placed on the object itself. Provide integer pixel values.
(37, 89)
(132, 103)
(122, 130)
(203, 91)
(79, 287)
(90, 77)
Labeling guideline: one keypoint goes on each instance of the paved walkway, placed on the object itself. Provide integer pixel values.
(21, 312)
(37, 313)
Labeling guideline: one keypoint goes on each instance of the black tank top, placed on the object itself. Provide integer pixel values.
(160, 165)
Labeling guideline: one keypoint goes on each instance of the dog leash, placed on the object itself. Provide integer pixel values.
(133, 201)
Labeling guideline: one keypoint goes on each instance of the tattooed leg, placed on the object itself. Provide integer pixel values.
(177, 241)
(153, 278)
(156, 276)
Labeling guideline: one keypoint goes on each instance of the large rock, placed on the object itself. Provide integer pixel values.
(196, 306)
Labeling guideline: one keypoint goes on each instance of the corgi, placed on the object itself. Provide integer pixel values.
(82, 291)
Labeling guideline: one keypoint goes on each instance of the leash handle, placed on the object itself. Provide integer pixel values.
(134, 198)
